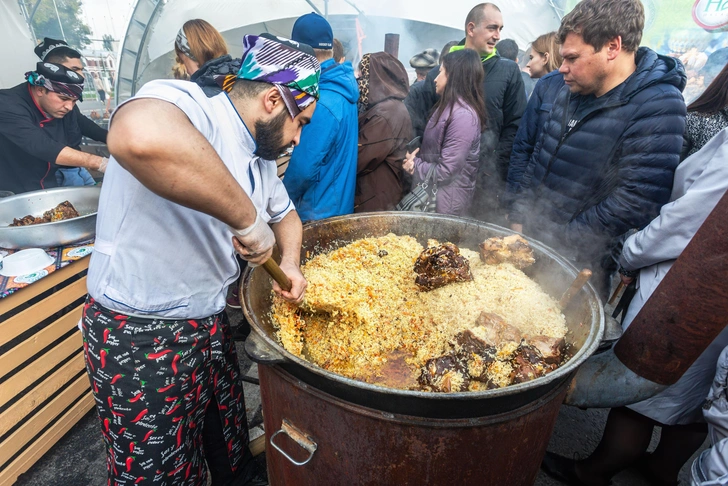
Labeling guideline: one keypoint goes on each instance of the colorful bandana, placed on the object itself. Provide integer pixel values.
(57, 78)
(289, 66)
(181, 43)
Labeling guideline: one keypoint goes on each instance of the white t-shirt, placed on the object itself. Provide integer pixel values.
(156, 258)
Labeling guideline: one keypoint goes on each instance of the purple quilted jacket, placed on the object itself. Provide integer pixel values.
(453, 143)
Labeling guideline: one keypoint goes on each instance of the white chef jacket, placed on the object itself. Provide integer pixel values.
(154, 257)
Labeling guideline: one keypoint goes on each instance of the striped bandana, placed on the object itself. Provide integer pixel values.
(289, 66)
(181, 43)
(56, 78)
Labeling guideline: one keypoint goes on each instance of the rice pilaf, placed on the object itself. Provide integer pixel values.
(362, 305)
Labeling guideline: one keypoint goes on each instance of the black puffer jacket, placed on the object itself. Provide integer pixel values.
(612, 171)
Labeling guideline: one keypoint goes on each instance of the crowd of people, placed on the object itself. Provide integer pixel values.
(592, 151)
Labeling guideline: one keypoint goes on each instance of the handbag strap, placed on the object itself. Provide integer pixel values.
(431, 177)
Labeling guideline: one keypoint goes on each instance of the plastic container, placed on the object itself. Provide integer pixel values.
(25, 262)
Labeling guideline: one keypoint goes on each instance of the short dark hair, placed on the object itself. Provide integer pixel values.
(599, 21)
(338, 50)
(60, 54)
(446, 49)
(507, 48)
(246, 89)
(477, 13)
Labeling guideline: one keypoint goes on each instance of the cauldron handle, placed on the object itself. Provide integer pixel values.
(260, 352)
(302, 439)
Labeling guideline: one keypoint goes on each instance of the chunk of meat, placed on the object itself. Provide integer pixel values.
(440, 265)
(528, 364)
(475, 354)
(65, 210)
(444, 374)
(512, 249)
(492, 329)
(26, 221)
(552, 349)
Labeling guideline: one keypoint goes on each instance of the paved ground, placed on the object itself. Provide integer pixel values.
(79, 460)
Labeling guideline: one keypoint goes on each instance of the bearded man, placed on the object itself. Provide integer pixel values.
(190, 181)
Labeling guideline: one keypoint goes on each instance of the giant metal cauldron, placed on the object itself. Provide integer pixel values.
(328, 429)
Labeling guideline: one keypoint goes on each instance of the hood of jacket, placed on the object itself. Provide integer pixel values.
(205, 76)
(387, 79)
(340, 79)
(653, 68)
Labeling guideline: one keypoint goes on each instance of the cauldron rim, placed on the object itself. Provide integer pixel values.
(590, 345)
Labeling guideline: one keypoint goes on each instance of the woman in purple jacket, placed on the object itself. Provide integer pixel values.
(452, 136)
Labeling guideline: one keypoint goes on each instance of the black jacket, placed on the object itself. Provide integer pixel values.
(30, 143)
(220, 66)
(505, 101)
(614, 169)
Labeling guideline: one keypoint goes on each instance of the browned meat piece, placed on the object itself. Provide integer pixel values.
(528, 364)
(494, 330)
(438, 266)
(26, 221)
(552, 349)
(65, 210)
(475, 354)
(467, 343)
(444, 374)
(513, 249)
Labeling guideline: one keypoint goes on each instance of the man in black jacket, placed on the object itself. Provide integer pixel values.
(608, 152)
(39, 128)
(59, 52)
(505, 100)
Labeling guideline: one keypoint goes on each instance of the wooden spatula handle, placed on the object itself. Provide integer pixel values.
(277, 274)
(576, 285)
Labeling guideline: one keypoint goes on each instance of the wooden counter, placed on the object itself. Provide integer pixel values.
(44, 389)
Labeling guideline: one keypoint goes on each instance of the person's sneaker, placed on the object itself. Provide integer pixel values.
(233, 301)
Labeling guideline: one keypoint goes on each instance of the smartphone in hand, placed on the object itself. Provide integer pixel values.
(413, 145)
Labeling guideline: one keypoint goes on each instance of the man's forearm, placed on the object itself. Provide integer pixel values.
(155, 141)
(76, 158)
(289, 234)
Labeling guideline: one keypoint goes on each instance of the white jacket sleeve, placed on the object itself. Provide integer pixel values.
(700, 182)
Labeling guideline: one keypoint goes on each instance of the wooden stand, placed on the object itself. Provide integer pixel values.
(44, 389)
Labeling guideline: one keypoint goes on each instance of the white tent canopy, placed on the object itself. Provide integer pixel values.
(147, 51)
(18, 57)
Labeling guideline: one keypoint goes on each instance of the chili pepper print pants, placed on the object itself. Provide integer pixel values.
(153, 381)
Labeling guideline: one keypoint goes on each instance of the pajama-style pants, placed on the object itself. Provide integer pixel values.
(169, 397)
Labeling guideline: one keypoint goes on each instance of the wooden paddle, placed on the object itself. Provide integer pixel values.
(277, 274)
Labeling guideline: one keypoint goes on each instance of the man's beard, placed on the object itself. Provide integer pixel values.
(269, 137)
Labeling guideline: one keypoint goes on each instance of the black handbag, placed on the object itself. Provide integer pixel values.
(423, 197)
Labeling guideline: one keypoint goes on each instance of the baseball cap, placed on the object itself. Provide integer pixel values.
(314, 30)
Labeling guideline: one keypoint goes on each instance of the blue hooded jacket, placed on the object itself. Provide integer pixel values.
(321, 175)
(614, 169)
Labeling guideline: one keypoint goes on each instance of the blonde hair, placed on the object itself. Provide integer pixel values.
(548, 43)
(180, 72)
(205, 42)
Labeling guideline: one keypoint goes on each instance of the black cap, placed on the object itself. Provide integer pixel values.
(49, 45)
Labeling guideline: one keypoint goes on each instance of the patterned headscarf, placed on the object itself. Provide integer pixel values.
(289, 66)
(56, 78)
(181, 43)
(363, 82)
